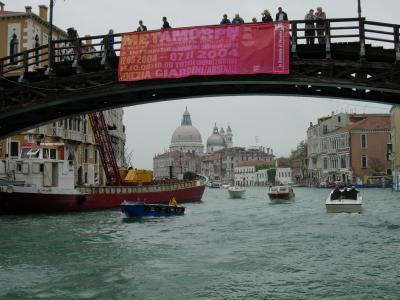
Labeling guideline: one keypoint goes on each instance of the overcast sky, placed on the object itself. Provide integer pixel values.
(278, 122)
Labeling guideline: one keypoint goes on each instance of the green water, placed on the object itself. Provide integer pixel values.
(220, 249)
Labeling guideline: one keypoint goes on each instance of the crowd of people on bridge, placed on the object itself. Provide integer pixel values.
(314, 28)
(314, 25)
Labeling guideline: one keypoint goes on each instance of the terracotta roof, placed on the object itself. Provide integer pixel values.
(378, 122)
(210, 157)
(9, 13)
(375, 122)
(251, 163)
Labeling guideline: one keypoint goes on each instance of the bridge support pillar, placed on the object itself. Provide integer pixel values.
(362, 38)
(397, 43)
(294, 40)
(328, 54)
(78, 51)
(25, 62)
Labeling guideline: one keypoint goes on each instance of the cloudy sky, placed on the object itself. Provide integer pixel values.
(277, 122)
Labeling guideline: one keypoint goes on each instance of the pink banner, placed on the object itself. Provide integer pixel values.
(260, 48)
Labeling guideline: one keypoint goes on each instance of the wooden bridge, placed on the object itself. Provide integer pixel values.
(355, 59)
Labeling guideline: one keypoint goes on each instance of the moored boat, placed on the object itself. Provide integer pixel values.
(140, 209)
(344, 200)
(236, 192)
(281, 194)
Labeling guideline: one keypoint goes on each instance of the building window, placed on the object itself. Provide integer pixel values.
(325, 129)
(343, 162)
(86, 154)
(86, 177)
(325, 163)
(37, 45)
(53, 154)
(95, 156)
(339, 119)
(14, 49)
(364, 162)
(363, 141)
(14, 149)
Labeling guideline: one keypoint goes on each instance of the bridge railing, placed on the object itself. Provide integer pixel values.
(343, 30)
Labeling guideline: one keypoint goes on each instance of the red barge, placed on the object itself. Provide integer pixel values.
(24, 199)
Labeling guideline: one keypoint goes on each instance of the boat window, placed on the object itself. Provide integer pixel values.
(45, 153)
(24, 152)
(19, 167)
(282, 189)
(35, 168)
(33, 153)
(53, 154)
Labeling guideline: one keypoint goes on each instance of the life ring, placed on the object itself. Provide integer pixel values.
(10, 189)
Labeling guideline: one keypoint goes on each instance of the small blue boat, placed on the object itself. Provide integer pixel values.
(140, 209)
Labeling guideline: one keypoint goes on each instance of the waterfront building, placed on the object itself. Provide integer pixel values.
(283, 176)
(220, 165)
(357, 153)
(25, 30)
(184, 152)
(247, 173)
(394, 146)
(316, 133)
(173, 164)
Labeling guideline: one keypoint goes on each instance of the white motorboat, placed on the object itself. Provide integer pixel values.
(344, 200)
(236, 192)
(281, 194)
(225, 186)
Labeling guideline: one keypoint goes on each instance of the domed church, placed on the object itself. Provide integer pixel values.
(186, 138)
(219, 139)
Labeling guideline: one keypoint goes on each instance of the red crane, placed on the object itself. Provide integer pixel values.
(104, 145)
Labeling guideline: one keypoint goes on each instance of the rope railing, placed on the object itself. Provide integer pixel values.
(351, 30)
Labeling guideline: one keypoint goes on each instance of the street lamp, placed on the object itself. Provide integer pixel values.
(50, 44)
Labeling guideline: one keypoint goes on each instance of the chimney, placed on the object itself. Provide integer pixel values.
(28, 9)
(43, 12)
(2, 6)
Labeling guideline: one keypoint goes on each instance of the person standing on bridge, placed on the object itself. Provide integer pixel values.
(165, 23)
(281, 15)
(141, 27)
(266, 16)
(310, 27)
(237, 19)
(225, 20)
(320, 18)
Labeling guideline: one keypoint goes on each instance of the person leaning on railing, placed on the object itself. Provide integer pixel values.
(310, 27)
(320, 18)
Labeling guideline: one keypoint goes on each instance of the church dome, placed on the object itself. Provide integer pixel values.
(187, 133)
(186, 138)
(215, 141)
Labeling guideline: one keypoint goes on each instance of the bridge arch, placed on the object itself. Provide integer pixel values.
(84, 81)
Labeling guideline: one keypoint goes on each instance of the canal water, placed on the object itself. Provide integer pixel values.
(220, 249)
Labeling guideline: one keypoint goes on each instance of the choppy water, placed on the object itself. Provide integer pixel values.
(221, 249)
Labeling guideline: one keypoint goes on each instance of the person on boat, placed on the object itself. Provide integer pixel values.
(353, 193)
(173, 202)
(336, 194)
